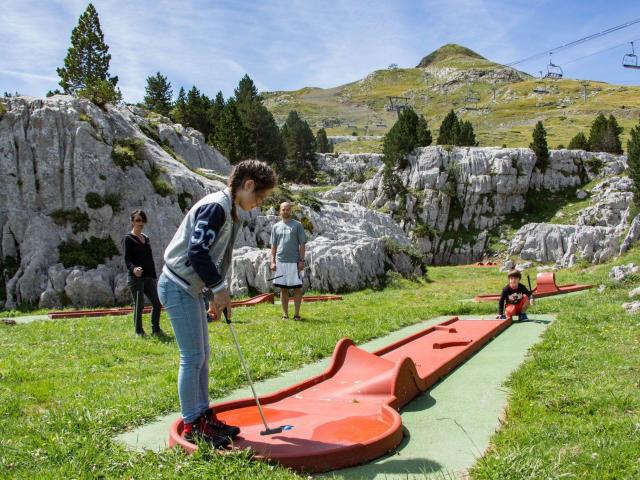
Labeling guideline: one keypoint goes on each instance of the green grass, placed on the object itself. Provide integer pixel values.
(68, 386)
(359, 146)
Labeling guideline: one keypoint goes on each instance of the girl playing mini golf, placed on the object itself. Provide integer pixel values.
(197, 260)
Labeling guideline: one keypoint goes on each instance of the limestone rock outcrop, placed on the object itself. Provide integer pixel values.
(61, 184)
(453, 196)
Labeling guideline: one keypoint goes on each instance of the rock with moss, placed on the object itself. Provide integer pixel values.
(346, 249)
(345, 167)
(565, 244)
(611, 200)
(57, 167)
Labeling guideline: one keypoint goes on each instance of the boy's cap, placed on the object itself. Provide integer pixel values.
(514, 273)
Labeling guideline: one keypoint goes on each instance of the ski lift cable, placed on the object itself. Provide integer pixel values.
(576, 42)
(601, 51)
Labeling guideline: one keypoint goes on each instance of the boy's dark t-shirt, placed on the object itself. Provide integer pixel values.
(512, 296)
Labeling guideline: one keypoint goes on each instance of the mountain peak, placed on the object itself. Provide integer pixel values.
(447, 52)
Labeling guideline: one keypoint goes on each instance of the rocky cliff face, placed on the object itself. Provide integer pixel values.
(348, 166)
(72, 173)
(452, 198)
(61, 184)
(595, 237)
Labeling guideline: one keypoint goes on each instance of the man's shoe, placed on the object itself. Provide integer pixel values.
(201, 431)
(522, 317)
(141, 334)
(158, 333)
(218, 426)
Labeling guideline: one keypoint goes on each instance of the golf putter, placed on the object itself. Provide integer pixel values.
(267, 430)
(530, 289)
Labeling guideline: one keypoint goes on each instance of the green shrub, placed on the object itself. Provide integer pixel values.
(184, 199)
(113, 200)
(126, 152)
(594, 164)
(3, 110)
(101, 92)
(422, 230)
(394, 248)
(150, 131)
(94, 200)
(282, 194)
(89, 253)
(306, 223)
(579, 142)
(79, 220)
(83, 117)
(160, 186)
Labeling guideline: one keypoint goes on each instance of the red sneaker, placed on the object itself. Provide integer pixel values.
(201, 431)
(218, 426)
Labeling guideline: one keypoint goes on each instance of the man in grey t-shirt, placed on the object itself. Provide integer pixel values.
(287, 259)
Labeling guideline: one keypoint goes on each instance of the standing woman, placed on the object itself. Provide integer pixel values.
(142, 273)
(198, 259)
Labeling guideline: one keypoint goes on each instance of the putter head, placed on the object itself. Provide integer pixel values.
(271, 431)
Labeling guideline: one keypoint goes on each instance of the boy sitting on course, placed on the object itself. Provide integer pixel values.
(516, 297)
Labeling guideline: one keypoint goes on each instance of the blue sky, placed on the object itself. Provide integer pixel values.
(289, 44)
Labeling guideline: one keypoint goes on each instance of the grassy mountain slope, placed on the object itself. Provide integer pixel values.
(446, 78)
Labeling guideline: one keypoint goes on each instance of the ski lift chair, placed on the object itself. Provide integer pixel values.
(554, 71)
(630, 60)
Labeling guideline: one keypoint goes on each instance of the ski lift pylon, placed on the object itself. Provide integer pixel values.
(472, 96)
(630, 60)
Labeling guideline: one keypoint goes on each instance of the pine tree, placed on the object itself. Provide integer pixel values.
(605, 135)
(423, 134)
(230, 135)
(264, 140)
(597, 133)
(449, 130)
(579, 142)
(633, 159)
(159, 95)
(197, 112)
(300, 145)
(400, 140)
(86, 66)
(611, 140)
(539, 147)
(322, 142)
(246, 90)
(179, 112)
(466, 136)
(215, 112)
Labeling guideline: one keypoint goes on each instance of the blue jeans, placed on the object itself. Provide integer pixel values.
(189, 322)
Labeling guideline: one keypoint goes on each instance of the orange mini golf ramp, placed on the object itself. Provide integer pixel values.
(320, 298)
(482, 264)
(250, 302)
(545, 287)
(349, 414)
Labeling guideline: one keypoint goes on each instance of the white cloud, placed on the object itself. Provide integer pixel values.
(281, 44)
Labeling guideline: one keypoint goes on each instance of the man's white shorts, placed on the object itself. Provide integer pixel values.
(289, 276)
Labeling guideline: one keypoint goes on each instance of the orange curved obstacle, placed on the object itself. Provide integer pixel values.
(320, 298)
(250, 302)
(546, 286)
(349, 414)
(482, 264)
